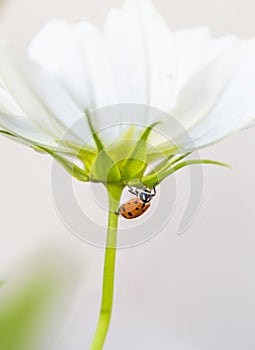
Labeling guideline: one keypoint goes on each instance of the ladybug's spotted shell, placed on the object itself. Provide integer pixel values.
(133, 208)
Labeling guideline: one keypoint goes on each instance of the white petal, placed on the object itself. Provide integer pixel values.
(235, 108)
(25, 129)
(42, 99)
(136, 60)
(8, 105)
(195, 48)
(125, 42)
(56, 50)
(201, 92)
(190, 48)
(141, 54)
(75, 54)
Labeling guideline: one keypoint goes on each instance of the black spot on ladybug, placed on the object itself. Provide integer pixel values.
(130, 214)
(137, 208)
(135, 202)
(123, 209)
(143, 211)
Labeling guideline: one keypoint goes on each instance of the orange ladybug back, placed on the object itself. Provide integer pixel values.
(133, 208)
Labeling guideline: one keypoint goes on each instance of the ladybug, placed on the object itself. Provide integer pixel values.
(135, 207)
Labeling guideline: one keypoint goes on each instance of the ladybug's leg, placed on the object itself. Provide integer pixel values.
(155, 192)
(133, 191)
(117, 212)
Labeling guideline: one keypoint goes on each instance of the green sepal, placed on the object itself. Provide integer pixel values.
(161, 165)
(87, 157)
(20, 139)
(161, 151)
(6, 132)
(104, 169)
(128, 134)
(155, 179)
(96, 138)
(70, 167)
(135, 164)
(120, 148)
(166, 164)
(86, 153)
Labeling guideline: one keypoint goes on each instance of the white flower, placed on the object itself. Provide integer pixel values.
(205, 83)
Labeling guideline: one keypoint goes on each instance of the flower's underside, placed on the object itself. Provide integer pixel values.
(203, 85)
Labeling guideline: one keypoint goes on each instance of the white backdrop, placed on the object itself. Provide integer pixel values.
(189, 292)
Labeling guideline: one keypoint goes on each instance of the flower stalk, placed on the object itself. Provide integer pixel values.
(114, 193)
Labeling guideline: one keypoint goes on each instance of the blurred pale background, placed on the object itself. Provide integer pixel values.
(195, 291)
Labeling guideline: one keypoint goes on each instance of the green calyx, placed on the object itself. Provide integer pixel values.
(130, 160)
(127, 160)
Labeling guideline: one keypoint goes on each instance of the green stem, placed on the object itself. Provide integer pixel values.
(114, 193)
